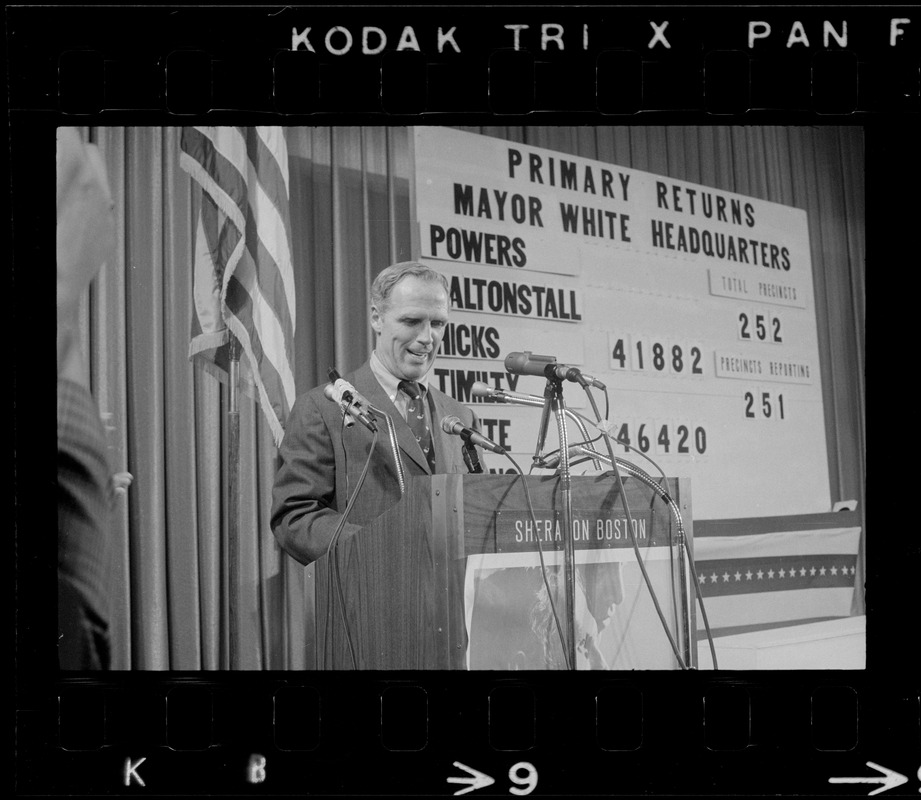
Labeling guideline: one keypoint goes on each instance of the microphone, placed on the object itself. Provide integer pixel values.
(480, 389)
(527, 363)
(331, 393)
(454, 426)
(351, 402)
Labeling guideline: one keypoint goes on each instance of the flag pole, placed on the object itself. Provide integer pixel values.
(233, 494)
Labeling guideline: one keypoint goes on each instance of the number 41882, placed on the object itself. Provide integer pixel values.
(651, 355)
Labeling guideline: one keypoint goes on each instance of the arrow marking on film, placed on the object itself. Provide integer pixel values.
(478, 781)
(890, 779)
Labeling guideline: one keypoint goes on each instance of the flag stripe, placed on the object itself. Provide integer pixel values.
(270, 384)
(785, 608)
(218, 171)
(214, 244)
(779, 571)
(244, 280)
(259, 215)
(803, 542)
(268, 166)
(707, 528)
(269, 339)
(230, 172)
(258, 266)
(270, 196)
(223, 239)
(273, 139)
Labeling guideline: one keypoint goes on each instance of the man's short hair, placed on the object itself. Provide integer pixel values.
(390, 276)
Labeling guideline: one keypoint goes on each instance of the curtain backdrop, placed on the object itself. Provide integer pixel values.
(350, 213)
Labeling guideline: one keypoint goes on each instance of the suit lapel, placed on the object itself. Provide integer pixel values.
(363, 379)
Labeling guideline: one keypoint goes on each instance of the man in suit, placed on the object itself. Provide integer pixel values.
(321, 459)
(85, 489)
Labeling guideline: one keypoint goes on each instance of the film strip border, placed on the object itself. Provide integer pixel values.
(437, 735)
(473, 60)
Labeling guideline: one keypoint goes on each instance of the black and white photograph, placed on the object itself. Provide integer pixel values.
(469, 380)
(708, 279)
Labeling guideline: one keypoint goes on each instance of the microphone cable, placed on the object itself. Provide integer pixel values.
(639, 558)
(334, 576)
(333, 557)
(543, 565)
(667, 499)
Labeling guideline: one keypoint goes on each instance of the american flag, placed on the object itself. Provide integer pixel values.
(776, 571)
(243, 278)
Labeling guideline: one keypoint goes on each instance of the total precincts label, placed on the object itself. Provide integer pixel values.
(774, 289)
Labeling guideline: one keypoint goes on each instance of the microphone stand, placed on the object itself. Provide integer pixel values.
(549, 392)
(554, 395)
(534, 400)
(683, 579)
(395, 449)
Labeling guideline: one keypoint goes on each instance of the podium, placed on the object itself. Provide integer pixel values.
(409, 577)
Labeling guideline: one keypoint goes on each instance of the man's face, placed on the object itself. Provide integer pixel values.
(410, 326)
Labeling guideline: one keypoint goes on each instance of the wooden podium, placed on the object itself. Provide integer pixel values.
(402, 577)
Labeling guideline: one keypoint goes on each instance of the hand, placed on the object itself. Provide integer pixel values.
(121, 481)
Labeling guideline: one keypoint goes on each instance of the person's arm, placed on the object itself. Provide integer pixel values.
(71, 363)
(304, 507)
(85, 236)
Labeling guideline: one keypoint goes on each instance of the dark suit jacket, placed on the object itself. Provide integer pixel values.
(85, 535)
(321, 463)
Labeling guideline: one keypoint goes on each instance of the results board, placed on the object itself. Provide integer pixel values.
(693, 305)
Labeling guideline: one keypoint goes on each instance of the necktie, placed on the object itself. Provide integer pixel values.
(415, 418)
